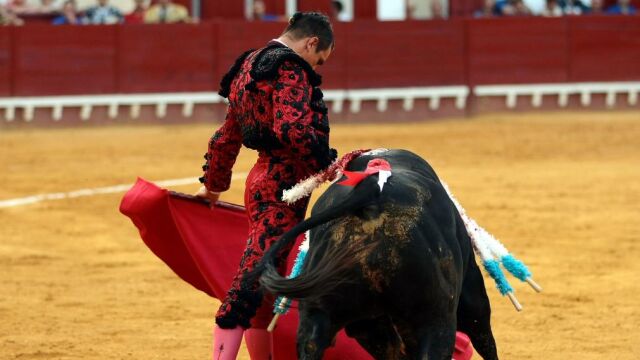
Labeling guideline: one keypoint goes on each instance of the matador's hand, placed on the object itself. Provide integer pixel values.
(206, 194)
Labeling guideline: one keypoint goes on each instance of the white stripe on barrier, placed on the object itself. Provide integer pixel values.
(99, 191)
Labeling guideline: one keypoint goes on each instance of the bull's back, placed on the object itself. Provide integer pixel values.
(413, 180)
(408, 233)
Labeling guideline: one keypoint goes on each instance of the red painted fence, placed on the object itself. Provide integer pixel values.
(604, 50)
(399, 54)
(5, 61)
(161, 58)
(64, 60)
(47, 60)
(514, 51)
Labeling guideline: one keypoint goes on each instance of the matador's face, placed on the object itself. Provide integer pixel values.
(309, 52)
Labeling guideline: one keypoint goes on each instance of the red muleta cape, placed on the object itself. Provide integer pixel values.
(203, 246)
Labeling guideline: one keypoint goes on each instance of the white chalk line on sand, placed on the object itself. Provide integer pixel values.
(33, 199)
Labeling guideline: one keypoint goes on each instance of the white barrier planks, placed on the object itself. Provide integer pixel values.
(190, 100)
(113, 102)
(563, 91)
(337, 98)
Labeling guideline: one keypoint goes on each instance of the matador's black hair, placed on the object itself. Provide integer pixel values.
(308, 24)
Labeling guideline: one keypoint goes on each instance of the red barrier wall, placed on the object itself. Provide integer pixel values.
(215, 9)
(365, 9)
(604, 48)
(517, 50)
(315, 5)
(464, 8)
(409, 53)
(159, 58)
(47, 60)
(274, 7)
(64, 60)
(235, 37)
(280, 8)
(5, 61)
(335, 71)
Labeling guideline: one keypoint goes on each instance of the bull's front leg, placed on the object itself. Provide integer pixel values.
(315, 334)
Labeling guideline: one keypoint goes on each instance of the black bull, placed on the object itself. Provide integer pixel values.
(395, 268)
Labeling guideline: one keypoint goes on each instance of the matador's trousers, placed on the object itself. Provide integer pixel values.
(269, 218)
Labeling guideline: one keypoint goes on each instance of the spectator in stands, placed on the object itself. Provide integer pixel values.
(521, 9)
(552, 9)
(597, 7)
(437, 11)
(488, 10)
(8, 17)
(165, 12)
(260, 12)
(103, 13)
(338, 12)
(21, 7)
(69, 15)
(573, 7)
(623, 7)
(425, 9)
(3, 15)
(512, 8)
(47, 7)
(137, 15)
(503, 7)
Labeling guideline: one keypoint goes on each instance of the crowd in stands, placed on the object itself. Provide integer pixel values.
(13, 12)
(554, 8)
(259, 12)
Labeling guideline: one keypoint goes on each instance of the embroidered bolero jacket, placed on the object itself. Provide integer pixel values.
(276, 108)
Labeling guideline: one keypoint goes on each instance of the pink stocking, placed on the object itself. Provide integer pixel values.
(226, 343)
(463, 349)
(259, 343)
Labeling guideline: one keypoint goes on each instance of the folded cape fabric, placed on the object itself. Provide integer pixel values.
(203, 246)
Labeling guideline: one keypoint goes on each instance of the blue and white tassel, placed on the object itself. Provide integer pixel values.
(492, 253)
(282, 303)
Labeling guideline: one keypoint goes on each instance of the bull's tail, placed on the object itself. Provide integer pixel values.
(332, 262)
(332, 266)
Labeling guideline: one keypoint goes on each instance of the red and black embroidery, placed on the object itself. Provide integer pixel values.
(268, 62)
(275, 108)
(269, 218)
(225, 83)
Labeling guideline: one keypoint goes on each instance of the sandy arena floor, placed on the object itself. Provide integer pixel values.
(561, 190)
